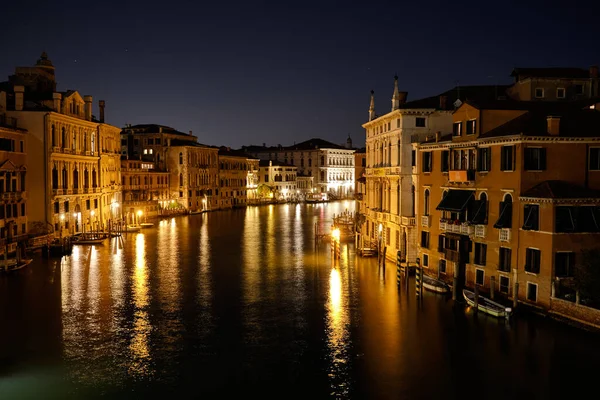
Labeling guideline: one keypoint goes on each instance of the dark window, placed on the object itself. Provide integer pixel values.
(413, 160)
(535, 159)
(507, 158)
(22, 209)
(457, 129)
(87, 204)
(363, 162)
(539, 93)
(424, 239)
(56, 207)
(563, 264)
(442, 266)
(578, 89)
(471, 127)
(66, 206)
(477, 211)
(480, 253)
(425, 260)
(427, 161)
(531, 291)
(484, 159)
(560, 93)
(479, 274)
(504, 264)
(445, 160)
(6, 144)
(441, 243)
(95, 203)
(426, 202)
(595, 159)
(504, 284)
(531, 217)
(505, 218)
(420, 122)
(532, 260)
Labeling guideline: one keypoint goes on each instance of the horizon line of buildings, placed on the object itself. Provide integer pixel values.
(63, 171)
(492, 186)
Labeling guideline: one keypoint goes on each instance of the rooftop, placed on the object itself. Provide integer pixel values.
(274, 163)
(153, 128)
(523, 73)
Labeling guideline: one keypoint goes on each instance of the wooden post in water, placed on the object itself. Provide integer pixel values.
(476, 296)
(418, 279)
(492, 284)
(455, 282)
(398, 268)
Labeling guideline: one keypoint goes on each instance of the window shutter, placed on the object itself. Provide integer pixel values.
(543, 159)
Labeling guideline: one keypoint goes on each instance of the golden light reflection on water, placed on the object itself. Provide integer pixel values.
(168, 267)
(204, 278)
(337, 332)
(251, 255)
(138, 347)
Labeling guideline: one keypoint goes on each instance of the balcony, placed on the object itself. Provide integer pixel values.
(409, 221)
(461, 176)
(504, 235)
(443, 225)
(480, 231)
(425, 221)
(14, 195)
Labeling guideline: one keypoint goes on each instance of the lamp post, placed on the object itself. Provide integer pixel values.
(139, 214)
(380, 231)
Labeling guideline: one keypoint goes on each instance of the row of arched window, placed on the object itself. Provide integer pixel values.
(74, 140)
(63, 182)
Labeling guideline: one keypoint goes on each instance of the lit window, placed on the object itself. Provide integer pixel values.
(145, 151)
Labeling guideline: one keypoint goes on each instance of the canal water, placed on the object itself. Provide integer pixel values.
(242, 303)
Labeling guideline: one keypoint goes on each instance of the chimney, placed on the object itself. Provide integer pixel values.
(594, 71)
(438, 134)
(190, 133)
(553, 125)
(264, 144)
(443, 102)
(56, 98)
(101, 105)
(19, 93)
(402, 97)
(88, 107)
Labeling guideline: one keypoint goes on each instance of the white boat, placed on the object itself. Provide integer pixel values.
(13, 264)
(195, 212)
(88, 241)
(486, 305)
(146, 225)
(133, 228)
(435, 285)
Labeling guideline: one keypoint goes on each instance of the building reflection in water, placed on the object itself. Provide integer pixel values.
(140, 363)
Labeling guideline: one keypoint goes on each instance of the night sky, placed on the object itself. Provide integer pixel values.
(254, 72)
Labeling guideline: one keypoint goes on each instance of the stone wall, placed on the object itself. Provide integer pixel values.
(572, 311)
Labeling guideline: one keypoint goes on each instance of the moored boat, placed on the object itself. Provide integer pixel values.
(146, 225)
(435, 285)
(486, 305)
(133, 228)
(12, 264)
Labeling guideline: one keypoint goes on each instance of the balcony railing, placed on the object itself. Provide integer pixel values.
(480, 231)
(425, 221)
(461, 176)
(409, 221)
(504, 235)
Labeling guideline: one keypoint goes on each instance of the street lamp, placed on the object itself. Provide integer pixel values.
(139, 214)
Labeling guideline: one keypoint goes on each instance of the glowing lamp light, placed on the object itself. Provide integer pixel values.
(74, 215)
(62, 217)
(139, 213)
(93, 213)
(380, 228)
(335, 234)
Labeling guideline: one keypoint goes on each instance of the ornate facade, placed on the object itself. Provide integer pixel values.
(72, 152)
(237, 177)
(146, 191)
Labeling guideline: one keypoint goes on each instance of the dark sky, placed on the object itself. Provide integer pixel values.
(251, 72)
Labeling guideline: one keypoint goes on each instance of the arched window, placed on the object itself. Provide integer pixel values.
(426, 202)
(63, 138)
(413, 199)
(53, 136)
(65, 178)
(180, 178)
(74, 144)
(322, 160)
(398, 151)
(389, 153)
(75, 179)
(93, 143)
(86, 179)
(505, 218)
(54, 178)
(94, 183)
(181, 160)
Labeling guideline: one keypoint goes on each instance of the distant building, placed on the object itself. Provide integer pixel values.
(237, 177)
(280, 178)
(73, 177)
(360, 167)
(554, 84)
(331, 165)
(146, 191)
(13, 186)
(192, 167)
